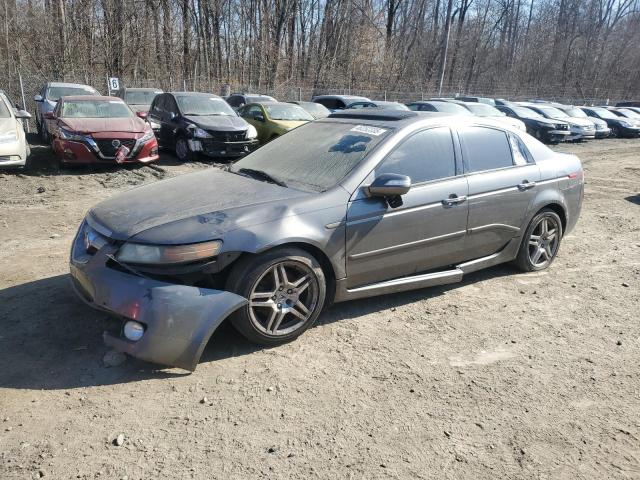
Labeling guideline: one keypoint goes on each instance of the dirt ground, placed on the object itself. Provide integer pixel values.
(506, 375)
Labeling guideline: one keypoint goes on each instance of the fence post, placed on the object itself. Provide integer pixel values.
(299, 94)
(385, 95)
(24, 103)
(108, 86)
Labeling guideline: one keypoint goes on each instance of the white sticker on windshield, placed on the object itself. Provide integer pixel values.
(369, 130)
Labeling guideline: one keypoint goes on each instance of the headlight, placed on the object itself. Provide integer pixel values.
(200, 133)
(252, 132)
(8, 137)
(167, 255)
(154, 125)
(67, 135)
(148, 135)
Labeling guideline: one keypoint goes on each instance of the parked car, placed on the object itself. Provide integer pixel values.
(14, 149)
(49, 95)
(189, 123)
(273, 119)
(629, 113)
(338, 102)
(93, 129)
(633, 109)
(581, 128)
(502, 102)
(602, 129)
(381, 104)
(444, 106)
(488, 111)
(485, 100)
(315, 109)
(237, 100)
(628, 104)
(538, 126)
(356, 205)
(620, 127)
(139, 99)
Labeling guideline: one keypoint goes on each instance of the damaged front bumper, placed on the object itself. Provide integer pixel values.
(178, 320)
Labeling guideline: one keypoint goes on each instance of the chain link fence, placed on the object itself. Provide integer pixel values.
(22, 87)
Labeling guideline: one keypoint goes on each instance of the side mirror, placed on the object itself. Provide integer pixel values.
(49, 115)
(389, 185)
(172, 115)
(38, 98)
(142, 115)
(22, 114)
(259, 117)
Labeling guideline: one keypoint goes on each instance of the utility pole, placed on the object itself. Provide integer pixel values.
(447, 30)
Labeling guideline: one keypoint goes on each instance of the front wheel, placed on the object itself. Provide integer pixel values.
(615, 132)
(541, 242)
(183, 151)
(286, 290)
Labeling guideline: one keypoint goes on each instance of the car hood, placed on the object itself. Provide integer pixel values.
(224, 123)
(7, 125)
(191, 208)
(91, 125)
(583, 122)
(289, 124)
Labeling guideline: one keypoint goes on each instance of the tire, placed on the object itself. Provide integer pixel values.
(540, 244)
(615, 132)
(280, 308)
(182, 150)
(42, 132)
(27, 162)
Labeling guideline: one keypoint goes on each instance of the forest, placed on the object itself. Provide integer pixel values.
(570, 48)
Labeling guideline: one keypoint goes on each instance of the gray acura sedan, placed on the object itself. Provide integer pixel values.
(354, 205)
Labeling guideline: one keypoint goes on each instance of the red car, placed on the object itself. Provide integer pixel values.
(94, 129)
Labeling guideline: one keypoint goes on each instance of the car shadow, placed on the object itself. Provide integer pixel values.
(50, 340)
(633, 199)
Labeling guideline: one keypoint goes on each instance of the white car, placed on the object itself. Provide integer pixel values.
(484, 110)
(14, 149)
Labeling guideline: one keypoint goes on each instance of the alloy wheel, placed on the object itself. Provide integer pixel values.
(284, 298)
(182, 149)
(544, 241)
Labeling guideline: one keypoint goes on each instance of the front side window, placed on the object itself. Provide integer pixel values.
(485, 148)
(4, 107)
(95, 109)
(425, 156)
(287, 112)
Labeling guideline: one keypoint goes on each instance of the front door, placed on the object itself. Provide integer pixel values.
(427, 231)
(502, 184)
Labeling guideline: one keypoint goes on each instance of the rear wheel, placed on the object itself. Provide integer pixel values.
(541, 242)
(286, 289)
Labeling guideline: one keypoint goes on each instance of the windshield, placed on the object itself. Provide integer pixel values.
(392, 106)
(287, 112)
(553, 112)
(54, 93)
(575, 112)
(95, 109)
(140, 97)
(451, 108)
(604, 113)
(629, 113)
(316, 109)
(4, 107)
(484, 110)
(260, 98)
(203, 105)
(525, 112)
(315, 156)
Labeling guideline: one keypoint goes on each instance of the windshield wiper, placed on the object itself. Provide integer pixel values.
(260, 175)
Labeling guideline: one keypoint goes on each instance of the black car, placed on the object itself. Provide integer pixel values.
(443, 106)
(628, 104)
(620, 126)
(237, 100)
(545, 130)
(190, 123)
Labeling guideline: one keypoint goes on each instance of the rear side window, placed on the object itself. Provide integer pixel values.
(521, 155)
(485, 148)
(425, 156)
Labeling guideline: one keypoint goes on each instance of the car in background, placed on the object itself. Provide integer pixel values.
(139, 99)
(49, 95)
(100, 130)
(315, 109)
(488, 111)
(338, 102)
(502, 102)
(602, 129)
(237, 100)
(190, 123)
(633, 109)
(581, 128)
(14, 148)
(620, 127)
(628, 104)
(468, 98)
(355, 205)
(626, 113)
(543, 129)
(380, 104)
(443, 106)
(273, 119)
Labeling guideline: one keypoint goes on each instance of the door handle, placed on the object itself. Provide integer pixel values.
(526, 185)
(453, 200)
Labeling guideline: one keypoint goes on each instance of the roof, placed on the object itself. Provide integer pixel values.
(143, 89)
(385, 115)
(195, 94)
(64, 84)
(74, 98)
(343, 97)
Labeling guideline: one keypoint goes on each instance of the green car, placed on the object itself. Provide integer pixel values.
(272, 119)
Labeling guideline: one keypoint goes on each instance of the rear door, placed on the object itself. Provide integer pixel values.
(427, 231)
(502, 180)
